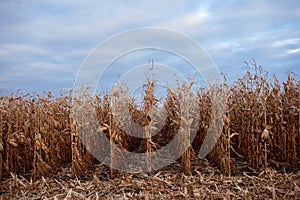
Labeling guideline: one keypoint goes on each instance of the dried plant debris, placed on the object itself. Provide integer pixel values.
(205, 182)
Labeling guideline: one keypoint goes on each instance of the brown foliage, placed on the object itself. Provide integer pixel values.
(261, 127)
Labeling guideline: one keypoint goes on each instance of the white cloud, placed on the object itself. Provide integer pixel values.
(285, 42)
(16, 48)
(223, 46)
(293, 51)
(187, 21)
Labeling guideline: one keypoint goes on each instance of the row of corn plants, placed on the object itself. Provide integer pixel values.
(38, 136)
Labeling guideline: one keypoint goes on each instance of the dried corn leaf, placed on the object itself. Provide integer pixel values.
(13, 142)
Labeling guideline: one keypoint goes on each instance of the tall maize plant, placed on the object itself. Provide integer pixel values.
(38, 134)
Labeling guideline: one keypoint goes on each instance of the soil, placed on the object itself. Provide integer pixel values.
(204, 182)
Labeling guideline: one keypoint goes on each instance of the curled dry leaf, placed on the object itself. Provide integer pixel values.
(234, 134)
(37, 145)
(190, 121)
(153, 128)
(227, 120)
(13, 142)
(268, 127)
(1, 147)
(101, 129)
(265, 135)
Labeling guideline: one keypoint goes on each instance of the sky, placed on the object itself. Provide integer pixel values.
(44, 43)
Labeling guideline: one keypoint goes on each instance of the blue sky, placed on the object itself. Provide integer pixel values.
(43, 43)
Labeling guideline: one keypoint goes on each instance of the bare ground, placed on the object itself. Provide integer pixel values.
(205, 182)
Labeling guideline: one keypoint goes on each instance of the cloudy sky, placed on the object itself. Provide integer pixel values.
(44, 43)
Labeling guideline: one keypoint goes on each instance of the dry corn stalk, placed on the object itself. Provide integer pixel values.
(36, 131)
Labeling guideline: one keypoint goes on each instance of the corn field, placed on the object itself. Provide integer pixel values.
(261, 128)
